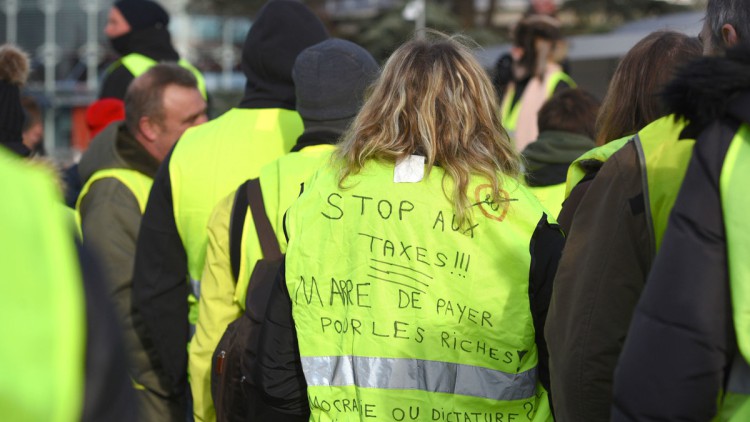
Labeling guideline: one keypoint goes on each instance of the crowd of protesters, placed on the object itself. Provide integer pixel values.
(413, 240)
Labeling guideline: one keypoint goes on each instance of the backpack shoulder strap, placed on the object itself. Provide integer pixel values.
(236, 225)
(268, 242)
(250, 195)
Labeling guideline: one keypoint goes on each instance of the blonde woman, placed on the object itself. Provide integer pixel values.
(418, 271)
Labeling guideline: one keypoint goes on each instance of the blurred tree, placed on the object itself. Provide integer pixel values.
(382, 33)
(225, 7)
(387, 31)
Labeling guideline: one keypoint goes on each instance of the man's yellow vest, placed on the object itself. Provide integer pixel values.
(510, 113)
(138, 64)
(734, 186)
(138, 183)
(663, 158)
(42, 306)
(211, 160)
(404, 315)
(280, 183)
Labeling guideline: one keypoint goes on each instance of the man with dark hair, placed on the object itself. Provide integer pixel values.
(207, 164)
(118, 170)
(566, 130)
(137, 30)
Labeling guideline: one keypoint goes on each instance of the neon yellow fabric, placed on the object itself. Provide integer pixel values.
(666, 159)
(42, 306)
(734, 201)
(734, 408)
(551, 197)
(733, 185)
(378, 272)
(576, 173)
(223, 300)
(138, 183)
(510, 114)
(211, 160)
(138, 64)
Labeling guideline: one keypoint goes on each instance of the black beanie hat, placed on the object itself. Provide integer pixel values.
(14, 69)
(330, 79)
(142, 14)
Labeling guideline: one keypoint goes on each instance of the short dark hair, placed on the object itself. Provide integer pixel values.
(570, 110)
(144, 96)
(733, 12)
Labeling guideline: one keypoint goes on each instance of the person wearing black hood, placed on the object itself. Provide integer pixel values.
(206, 165)
(330, 81)
(137, 30)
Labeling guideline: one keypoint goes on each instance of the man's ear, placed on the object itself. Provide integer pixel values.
(148, 129)
(729, 35)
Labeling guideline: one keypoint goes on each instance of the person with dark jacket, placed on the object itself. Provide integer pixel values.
(686, 356)
(566, 131)
(14, 69)
(615, 234)
(330, 79)
(117, 171)
(206, 165)
(137, 31)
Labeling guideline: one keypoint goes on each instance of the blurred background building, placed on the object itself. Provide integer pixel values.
(69, 52)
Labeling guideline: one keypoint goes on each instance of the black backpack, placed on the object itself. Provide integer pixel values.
(230, 388)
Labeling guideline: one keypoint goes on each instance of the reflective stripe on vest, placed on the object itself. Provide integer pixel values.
(138, 64)
(211, 160)
(734, 185)
(735, 402)
(401, 307)
(423, 375)
(42, 359)
(138, 183)
(510, 114)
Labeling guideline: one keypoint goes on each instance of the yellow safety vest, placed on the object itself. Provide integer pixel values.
(138, 64)
(211, 160)
(280, 182)
(138, 183)
(42, 306)
(510, 113)
(403, 315)
(735, 200)
(663, 158)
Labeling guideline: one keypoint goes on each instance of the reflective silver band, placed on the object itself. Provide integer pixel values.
(739, 376)
(414, 374)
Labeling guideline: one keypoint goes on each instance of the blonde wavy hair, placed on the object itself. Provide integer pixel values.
(433, 99)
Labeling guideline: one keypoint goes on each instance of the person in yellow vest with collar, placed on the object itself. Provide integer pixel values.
(208, 164)
(687, 353)
(418, 265)
(538, 49)
(567, 127)
(118, 170)
(61, 358)
(330, 79)
(137, 30)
